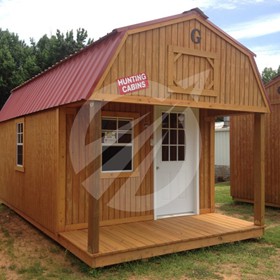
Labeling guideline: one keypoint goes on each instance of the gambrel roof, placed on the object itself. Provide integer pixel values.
(75, 78)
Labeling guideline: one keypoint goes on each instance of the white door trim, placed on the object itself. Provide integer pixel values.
(156, 146)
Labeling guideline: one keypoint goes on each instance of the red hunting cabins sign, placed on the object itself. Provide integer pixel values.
(132, 83)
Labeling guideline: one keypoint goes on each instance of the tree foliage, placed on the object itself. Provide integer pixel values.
(20, 62)
(268, 74)
(48, 51)
(17, 63)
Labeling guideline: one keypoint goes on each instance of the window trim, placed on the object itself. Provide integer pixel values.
(176, 129)
(19, 167)
(135, 150)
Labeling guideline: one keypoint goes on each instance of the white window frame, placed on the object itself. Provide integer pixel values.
(20, 143)
(114, 144)
(135, 150)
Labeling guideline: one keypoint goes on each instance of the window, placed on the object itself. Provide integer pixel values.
(117, 144)
(173, 137)
(19, 143)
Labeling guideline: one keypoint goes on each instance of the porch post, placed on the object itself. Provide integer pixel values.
(212, 164)
(94, 183)
(259, 170)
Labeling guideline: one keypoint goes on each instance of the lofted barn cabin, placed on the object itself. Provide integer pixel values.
(242, 157)
(110, 152)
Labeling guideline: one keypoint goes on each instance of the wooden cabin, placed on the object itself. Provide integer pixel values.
(111, 151)
(242, 157)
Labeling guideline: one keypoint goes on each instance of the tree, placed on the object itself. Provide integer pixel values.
(268, 74)
(20, 62)
(17, 63)
(48, 51)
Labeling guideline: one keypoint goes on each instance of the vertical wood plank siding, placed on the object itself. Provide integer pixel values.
(32, 192)
(236, 84)
(76, 196)
(241, 150)
(241, 156)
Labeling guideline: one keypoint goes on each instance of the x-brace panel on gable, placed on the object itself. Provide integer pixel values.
(192, 72)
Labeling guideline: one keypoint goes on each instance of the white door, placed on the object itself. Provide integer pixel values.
(176, 161)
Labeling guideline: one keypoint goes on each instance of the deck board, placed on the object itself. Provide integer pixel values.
(137, 240)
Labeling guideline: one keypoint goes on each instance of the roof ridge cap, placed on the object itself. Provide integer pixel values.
(162, 19)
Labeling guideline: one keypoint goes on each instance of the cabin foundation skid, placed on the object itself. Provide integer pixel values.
(140, 240)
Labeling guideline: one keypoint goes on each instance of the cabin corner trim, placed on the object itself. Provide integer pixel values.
(261, 85)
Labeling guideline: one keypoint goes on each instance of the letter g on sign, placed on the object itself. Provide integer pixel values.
(196, 36)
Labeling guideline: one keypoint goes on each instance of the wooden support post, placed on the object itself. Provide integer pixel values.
(259, 170)
(212, 163)
(94, 183)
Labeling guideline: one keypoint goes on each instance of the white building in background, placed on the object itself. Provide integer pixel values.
(222, 150)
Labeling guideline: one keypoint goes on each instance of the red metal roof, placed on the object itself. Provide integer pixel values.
(71, 80)
(75, 78)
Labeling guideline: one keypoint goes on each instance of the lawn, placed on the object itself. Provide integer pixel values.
(25, 253)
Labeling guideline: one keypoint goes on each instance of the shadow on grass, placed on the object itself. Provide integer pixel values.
(205, 263)
(238, 209)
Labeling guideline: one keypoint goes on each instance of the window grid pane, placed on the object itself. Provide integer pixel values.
(173, 137)
(19, 143)
(117, 145)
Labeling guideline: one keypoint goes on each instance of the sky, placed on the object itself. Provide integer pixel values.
(254, 23)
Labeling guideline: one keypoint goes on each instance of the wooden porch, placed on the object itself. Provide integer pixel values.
(140, 240)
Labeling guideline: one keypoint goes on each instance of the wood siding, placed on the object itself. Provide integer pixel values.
(241, 163)
(213, 74)
(241, 156)
(273, 91)
(116, 192)
(32, 192)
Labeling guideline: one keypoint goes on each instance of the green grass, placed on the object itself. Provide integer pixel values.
(230, 207)
(245, 258)
(251, 259)
(222, 193)
(272, 216)
(7, 242)
(272, 236)
(173, 266)
(34, 271)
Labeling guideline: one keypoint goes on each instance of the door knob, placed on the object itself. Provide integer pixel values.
(157, 168)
